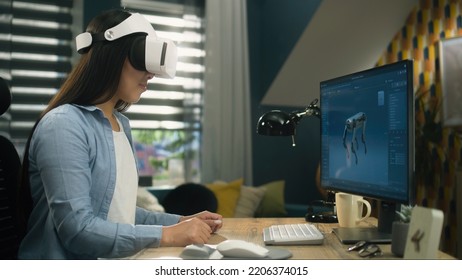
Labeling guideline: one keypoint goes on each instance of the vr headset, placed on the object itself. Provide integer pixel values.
(148, 53)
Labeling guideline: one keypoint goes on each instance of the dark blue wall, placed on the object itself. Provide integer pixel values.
(274, 28)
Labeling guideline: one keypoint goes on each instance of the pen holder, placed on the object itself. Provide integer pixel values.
(398, 238)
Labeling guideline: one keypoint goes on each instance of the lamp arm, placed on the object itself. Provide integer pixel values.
(311, 110)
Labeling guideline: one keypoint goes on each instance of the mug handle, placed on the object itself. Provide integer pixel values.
(368, 208)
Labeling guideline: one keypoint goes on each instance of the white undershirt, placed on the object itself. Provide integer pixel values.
(123, 204)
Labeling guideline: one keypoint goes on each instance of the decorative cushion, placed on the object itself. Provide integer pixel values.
(148, 201)
(227, 195)
(273, 202)
(248, 201)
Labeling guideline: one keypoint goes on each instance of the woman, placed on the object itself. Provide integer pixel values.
(80, 166)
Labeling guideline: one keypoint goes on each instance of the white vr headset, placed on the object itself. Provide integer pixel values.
(148, 53)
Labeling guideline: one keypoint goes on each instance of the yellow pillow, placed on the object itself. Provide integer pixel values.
(227, 195)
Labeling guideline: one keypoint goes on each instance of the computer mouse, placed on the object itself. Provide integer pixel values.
(196, 251)
(241, 249)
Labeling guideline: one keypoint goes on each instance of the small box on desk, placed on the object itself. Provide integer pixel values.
(424, 234)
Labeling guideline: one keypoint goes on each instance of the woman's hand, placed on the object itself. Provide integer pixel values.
(194, 229)
(187, 231)
(214, 220)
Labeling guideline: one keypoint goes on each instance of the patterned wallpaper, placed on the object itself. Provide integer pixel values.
(438, 149)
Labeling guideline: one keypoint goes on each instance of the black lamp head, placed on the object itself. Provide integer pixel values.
(276, 123)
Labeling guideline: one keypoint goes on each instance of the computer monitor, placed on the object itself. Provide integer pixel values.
(367, 142)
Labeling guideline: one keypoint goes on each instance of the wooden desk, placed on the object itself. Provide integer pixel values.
(250, 229)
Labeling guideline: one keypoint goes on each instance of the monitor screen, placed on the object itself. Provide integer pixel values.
(367, 134)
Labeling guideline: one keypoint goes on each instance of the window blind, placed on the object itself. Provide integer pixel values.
(5, 59)
(40, 58)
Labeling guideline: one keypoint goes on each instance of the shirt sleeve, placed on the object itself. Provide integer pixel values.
(147, 217)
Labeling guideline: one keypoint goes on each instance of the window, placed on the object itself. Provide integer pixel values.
(166, 122)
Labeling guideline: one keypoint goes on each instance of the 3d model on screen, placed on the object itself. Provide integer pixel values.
(352, 124)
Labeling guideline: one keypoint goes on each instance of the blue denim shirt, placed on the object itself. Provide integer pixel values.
(72, 177)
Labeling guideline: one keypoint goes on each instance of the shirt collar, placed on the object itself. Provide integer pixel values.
(87, 107)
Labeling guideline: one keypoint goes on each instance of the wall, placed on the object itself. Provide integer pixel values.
(274, 28)
(342, 37)
(438, 149)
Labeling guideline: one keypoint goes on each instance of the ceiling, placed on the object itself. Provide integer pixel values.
(342, 37)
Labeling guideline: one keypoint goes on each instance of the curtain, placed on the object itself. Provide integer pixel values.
(226, 143)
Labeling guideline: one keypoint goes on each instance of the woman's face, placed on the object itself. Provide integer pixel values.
(133, 83)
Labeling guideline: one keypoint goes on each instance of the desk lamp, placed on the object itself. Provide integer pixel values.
(278, 123)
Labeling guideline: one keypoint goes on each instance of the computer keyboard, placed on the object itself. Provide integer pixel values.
(293, 234)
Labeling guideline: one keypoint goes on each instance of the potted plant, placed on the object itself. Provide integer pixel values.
(400, 229)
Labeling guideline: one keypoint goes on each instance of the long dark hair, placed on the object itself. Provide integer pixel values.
(93, 80)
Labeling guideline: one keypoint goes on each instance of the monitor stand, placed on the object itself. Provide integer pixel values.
(353, 235)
